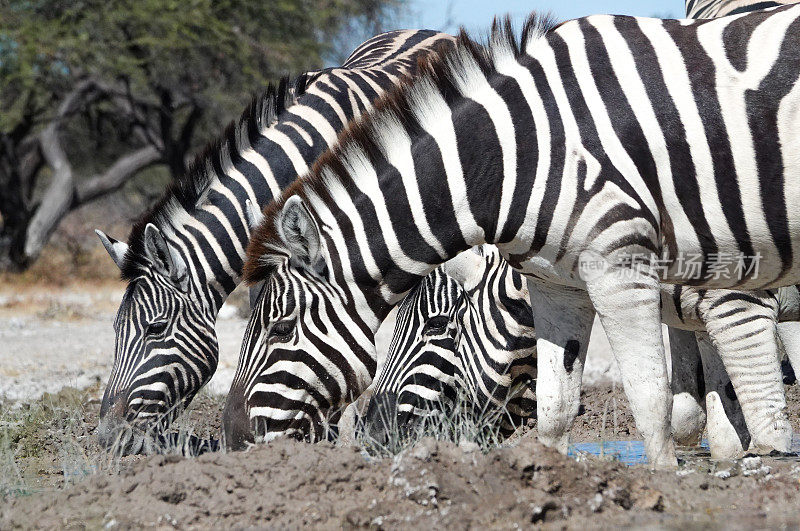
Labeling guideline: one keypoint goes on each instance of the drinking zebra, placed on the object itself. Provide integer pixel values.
(185, 256)
(728, 434)
(423, 373)
(464, 334)
(585, 170)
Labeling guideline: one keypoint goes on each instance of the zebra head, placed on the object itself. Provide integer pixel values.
(307, 352)
(423, 371)
(491, 361)
(166, 345)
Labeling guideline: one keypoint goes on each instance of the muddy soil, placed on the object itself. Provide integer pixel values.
(606, 415)
(289, 484)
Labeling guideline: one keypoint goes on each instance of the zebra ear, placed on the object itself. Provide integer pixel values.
(299, 232)
(464, 267)
(164, 258)
(116, 249)
(254, 216)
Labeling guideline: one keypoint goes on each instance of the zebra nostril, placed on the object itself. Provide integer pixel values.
(380, 420)
(109, 430)
(236, 423)
(112, 418)
(114, 405)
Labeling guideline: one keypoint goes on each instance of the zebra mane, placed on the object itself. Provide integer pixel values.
(187, 192)
(450, 72)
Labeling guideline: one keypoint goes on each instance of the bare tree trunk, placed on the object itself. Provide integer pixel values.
(26, 227)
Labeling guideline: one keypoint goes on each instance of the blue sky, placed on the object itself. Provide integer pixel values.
(476, 15)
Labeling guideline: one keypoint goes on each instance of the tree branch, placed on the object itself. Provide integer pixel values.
(58, 197)
(116, 175)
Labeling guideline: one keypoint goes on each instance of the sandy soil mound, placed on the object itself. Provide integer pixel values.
(290, 484)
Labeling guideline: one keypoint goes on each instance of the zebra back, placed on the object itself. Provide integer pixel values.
(722, 8)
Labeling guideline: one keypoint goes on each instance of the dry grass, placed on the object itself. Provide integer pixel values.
(50, 443)
(463, 424)
(62, 264)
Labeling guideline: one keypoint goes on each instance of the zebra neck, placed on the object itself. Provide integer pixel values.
(447, 198)
(264, 163)
(214, 237)
(258, 166)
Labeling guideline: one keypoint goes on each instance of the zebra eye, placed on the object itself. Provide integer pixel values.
(282, 330)
(436, 325)
(156, 329)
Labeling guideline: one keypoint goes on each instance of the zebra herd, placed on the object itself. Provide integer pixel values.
(636, 169)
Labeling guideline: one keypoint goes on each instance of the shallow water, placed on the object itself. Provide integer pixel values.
(632, 452)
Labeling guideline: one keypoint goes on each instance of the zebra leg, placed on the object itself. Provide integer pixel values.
(745, 336)
(688, 405)
(563, 318)
(727, 431)
(628, 303)
(789, 334)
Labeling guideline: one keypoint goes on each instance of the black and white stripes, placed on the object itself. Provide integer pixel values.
(721, 8)
(464, 334)
(598, 156)
(185, 256)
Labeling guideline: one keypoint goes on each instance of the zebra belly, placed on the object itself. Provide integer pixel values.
(768, 265)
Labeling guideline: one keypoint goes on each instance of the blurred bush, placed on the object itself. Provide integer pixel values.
(99, 96)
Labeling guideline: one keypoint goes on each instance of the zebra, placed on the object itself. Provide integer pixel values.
(465, 333)
(422, 371)
(720, 402)
(575, 187)
(184, 257)
(699, 9)
(728, 437)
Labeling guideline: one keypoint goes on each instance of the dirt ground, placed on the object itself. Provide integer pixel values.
(289, 484)
(54, 336)
(58, 340)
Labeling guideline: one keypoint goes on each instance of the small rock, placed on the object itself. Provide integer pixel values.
(751, 463)
(723, 474)
(596, 503)
(424, 449)
(651, 500)
(468, 446)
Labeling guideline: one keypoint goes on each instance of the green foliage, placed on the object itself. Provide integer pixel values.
(214, 52)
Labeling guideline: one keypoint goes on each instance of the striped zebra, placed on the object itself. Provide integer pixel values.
(185, 256)
(423, 371)
(597, 175)
(694, 372)
(464, 334)
(699, 9)
(728, 434)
